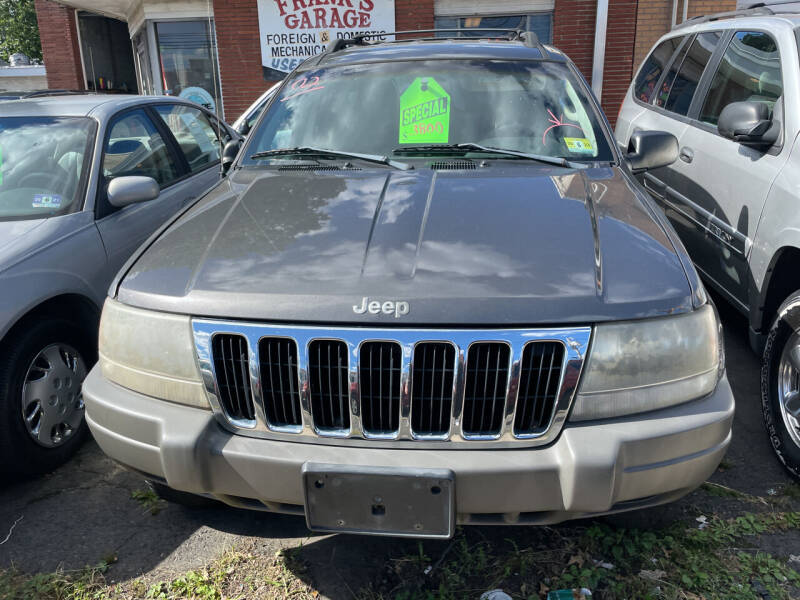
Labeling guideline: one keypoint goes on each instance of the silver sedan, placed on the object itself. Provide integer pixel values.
(84, 181)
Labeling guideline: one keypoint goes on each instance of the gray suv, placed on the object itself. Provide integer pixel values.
(728, 88)
(428, 292)
(84, 180)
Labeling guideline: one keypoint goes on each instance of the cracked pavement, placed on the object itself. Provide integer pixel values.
(83, 513)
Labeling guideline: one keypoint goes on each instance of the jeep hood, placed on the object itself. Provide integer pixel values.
(501, 245)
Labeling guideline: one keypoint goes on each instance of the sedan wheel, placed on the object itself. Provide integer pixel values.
(52, 403)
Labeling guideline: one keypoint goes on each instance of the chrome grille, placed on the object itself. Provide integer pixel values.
(232, 364)
(485, 388)
(538, 386)
(379, 384)
(505, 388)
(279, 385)
(432, 375)
(327, 369)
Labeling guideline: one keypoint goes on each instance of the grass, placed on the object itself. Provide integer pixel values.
(678, 562)
(149, 501)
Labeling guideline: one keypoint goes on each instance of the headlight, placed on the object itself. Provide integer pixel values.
(638, 366)
(151, 353)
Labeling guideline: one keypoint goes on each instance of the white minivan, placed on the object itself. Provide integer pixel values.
(728, 88)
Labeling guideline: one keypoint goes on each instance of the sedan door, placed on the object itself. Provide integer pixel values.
(135, 145)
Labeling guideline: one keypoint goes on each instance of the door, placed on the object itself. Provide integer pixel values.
(724, 185)
(674, 99)
(134, 145)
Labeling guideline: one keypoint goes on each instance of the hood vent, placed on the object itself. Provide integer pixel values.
(453, 165)
(317, 168)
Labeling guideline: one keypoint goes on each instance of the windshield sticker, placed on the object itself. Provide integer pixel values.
(424, 113)
(579, 145)
(557, 122)
(46, 201)
(303, 86)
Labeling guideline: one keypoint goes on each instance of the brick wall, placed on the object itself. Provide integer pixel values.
(654, 19)
(59, 36)
(618, 64)
(413, 14)
(573, 33)
(236, 23)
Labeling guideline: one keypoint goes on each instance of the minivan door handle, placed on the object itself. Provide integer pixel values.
(687, 154)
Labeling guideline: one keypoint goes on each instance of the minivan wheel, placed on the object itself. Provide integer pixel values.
(780, 385)
(41, 406)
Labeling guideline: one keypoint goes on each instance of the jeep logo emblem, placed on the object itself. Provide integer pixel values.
(389, 307)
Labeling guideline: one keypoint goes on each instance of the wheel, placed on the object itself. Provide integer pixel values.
(41, 405)
(183, 498)
(780, 384)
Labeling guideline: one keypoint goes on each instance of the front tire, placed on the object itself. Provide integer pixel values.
(41, 407)
(780, 384)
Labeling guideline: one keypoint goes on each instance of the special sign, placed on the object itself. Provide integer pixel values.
(293, 30)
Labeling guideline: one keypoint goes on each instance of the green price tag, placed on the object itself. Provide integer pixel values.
(424, 113)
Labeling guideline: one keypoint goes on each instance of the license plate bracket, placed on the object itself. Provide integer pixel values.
(404, 502)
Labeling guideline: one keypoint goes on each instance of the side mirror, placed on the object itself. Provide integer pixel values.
(229, 153)
(244, 128)
(748, 123)
(651, 150)
(132, 189)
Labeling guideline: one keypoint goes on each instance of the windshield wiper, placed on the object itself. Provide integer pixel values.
(308, 150)
(470, 147)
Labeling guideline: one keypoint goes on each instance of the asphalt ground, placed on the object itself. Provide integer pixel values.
(85, 512)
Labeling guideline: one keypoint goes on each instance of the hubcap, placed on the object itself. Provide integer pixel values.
(52, 403)
(789, 387)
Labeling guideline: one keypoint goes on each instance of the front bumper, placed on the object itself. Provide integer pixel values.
(592, 468)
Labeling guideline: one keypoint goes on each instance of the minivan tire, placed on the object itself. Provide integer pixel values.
(784, 329)
(20, 455)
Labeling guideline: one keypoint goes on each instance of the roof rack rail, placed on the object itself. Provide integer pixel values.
(529, 38)
(752, 10)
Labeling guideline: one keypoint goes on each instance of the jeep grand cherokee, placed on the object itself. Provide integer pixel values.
(428, 292)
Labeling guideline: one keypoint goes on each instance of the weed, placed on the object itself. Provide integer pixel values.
(149, 500)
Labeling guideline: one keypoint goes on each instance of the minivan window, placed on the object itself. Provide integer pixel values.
(750, 70)
(537, 107)
(691, 70)
(653, 67)
(662, 93)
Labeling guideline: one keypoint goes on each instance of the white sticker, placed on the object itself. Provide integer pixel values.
(46, 201)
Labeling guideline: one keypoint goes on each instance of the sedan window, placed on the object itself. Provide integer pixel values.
(43, 165)
(196, 137)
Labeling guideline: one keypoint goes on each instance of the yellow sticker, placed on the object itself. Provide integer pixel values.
(579, 145)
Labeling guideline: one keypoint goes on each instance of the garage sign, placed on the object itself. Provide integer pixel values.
(293, 30)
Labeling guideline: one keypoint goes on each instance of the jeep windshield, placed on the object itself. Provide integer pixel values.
(43, 164)
(421, 109)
